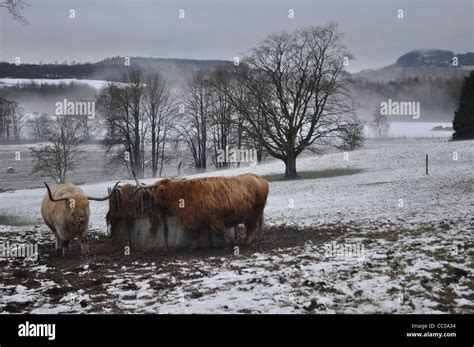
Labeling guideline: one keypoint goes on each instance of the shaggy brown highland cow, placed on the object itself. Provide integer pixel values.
(214, 203)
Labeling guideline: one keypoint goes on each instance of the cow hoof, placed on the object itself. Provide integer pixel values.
(248, 240)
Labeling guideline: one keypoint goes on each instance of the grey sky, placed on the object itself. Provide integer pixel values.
(223, 29)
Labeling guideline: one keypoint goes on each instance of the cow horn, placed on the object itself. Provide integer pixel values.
(106, 197)
(135, 177)
(147, 186)
(51, 195)
(141, 186)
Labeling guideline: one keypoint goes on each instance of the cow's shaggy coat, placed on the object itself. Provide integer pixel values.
(65, 210)
(214, 203)
(67, 219)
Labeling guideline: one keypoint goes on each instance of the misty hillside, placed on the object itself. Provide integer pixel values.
(421, 76)
(428, 63)
(111, 69)
(434, 57)
(425, 76)
(433, 63)
(176, 70)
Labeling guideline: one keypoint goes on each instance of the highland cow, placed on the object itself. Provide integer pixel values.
(214, 203)
(65, 210)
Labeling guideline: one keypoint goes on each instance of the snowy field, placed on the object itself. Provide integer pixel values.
(415, 130)
(403, 243)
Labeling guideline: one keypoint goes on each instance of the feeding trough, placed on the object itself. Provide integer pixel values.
(137, 222)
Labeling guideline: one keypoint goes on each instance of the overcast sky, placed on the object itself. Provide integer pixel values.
(222, 29)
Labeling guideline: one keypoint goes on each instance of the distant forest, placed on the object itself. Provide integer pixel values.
(110, 69)
(8, 70)
(438, 96)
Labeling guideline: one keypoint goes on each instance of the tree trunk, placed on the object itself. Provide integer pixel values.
(290, 166)
(154, 149)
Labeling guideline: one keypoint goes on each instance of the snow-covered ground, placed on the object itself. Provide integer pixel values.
(408, 236)
(414, 130)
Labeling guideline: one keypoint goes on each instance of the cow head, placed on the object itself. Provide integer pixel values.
(78, 205)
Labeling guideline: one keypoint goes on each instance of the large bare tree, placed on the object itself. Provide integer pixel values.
(295, 91)
(60, 156)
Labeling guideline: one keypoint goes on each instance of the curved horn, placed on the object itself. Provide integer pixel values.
(51, 195)
(135, 177)
(147, 186)
(106, 197)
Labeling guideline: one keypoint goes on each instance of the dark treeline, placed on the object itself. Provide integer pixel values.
(47, 70)
(111, 69)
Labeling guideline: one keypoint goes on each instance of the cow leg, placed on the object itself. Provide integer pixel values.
(59, 245)
(251, 230)
(65, 246)
(219, 229)
(195, 242)
(56, 237)
(84, 245)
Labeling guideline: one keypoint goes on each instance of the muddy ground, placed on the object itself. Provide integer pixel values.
(66, 270)
(424, 268)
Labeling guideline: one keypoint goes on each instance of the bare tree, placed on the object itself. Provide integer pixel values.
(198, 102)
(40, 126)
(12, 118)
(160, 110)
(85, 126)
(223, 122)
(380, 123)
(124, 117)
(168, 134)
(352, 136)
(18, 121)
(61, 155)
(15, 7)
(297, 85)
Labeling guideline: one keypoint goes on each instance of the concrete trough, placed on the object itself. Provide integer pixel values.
(135, 223)
(141, 233)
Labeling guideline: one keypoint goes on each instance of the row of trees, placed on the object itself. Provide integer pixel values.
(14, 123)
(11, 119)
(137, 120)
(289, 94)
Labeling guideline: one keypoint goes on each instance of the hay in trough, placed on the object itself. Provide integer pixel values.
(127, 203)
